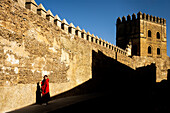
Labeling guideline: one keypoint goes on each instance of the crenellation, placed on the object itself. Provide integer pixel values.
(151, 18)
(104, 43)
(113, 47)
(32, 5)
(139, 15)
(64, 25)
(97, 40)
(164, 21)
(83, 34)
(41, 11)
(123, 19)
(78, 31)
(155, 19)
(71, 25)
(144, 16)
(100, 41)
(57, 21)
(88, 36)
(117, 50)
(50, 16)
(161, 20)
(71, 29)
(118, 20)
(107, 44)
(128, 18)
(83, 31)
(158, 20)
(148, 17)
(110, 46)
(92, 38)
(133, 16)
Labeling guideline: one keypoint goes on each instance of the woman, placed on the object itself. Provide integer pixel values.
(45, 90)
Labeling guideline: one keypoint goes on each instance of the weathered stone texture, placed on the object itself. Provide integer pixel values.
(162, 65)
(31, 46)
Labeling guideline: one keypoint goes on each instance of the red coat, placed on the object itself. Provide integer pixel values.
(45, 86)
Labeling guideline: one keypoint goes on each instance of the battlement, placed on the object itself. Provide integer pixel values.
(142, 16)
(37, 43)
(67, 28)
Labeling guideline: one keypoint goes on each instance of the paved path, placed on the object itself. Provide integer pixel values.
(56, 104)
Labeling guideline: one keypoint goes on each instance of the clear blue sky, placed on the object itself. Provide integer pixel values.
(99, 16)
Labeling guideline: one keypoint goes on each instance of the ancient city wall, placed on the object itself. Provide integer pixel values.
(32, 45)
(162, 65)
(33, 42)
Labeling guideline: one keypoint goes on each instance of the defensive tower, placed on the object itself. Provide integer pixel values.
(143, 35)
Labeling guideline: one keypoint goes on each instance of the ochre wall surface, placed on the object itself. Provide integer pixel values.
(31, 46)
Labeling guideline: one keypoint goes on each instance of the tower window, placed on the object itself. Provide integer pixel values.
(158, 35)
(149, 50)
(149, 33)
(158, 51)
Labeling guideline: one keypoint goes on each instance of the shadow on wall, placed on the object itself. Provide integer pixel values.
(123, 88)
(38, 94)
(127, 87)
(161, 96)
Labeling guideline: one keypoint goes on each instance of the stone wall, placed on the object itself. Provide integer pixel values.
(32, 45)
(162, 65)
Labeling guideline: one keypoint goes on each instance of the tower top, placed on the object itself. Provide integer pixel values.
(142, 16)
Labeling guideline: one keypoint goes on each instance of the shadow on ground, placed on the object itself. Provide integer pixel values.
(113, 87)
(123, 88)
